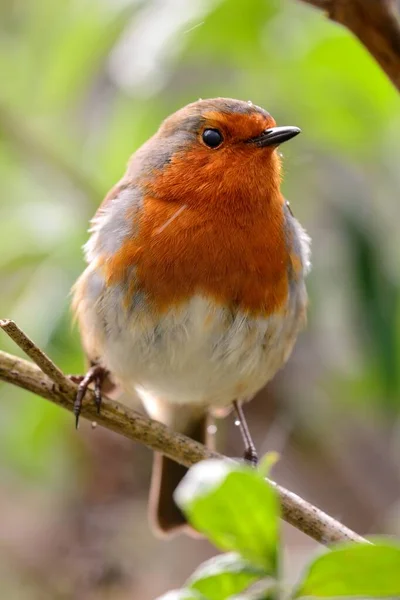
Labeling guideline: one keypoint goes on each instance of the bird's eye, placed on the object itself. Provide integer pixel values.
(212, 138)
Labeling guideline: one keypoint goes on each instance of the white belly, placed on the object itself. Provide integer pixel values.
(198, 353)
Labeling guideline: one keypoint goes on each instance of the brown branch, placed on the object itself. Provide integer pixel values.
(114, 415)
(37, 355)
(375, 23)
(133, 425)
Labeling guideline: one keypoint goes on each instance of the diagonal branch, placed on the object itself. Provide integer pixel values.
(375, 23)
(135, 426)
(36, 354)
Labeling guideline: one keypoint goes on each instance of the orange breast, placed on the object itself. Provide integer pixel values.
(180, 252)
(211, 224)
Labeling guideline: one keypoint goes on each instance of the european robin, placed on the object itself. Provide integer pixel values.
(194, 292)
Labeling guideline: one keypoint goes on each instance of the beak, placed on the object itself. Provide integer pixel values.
(275, 136)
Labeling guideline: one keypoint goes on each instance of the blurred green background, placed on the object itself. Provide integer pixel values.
(84, 83)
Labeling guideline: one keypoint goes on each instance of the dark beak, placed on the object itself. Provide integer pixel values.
(275, 136)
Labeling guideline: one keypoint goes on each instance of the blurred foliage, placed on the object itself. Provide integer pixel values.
(85, 82)
(89, 81)
(237, 509)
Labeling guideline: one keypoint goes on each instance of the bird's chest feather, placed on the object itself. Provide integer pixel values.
(238, 259)
(202, 314)
(197, 352)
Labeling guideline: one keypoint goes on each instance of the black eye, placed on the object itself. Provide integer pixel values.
(212, 138)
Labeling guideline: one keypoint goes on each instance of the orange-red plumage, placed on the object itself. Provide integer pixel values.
(220, 260)
(223, 259)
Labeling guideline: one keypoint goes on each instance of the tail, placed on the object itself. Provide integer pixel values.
(165, 515)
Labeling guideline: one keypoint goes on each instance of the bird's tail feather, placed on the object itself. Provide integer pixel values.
(165, 515)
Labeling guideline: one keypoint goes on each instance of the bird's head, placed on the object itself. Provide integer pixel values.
(218, 152)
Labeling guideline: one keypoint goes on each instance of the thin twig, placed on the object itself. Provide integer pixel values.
(312, 521)
(36, 354)
(375, 23)
(135, 426)
(114, 416)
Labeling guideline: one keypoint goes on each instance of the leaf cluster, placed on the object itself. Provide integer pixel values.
(238, 511)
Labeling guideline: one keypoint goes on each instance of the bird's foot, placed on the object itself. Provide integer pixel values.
(250, 456)
(95, 374)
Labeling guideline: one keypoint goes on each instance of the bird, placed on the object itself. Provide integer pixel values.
(194, 291)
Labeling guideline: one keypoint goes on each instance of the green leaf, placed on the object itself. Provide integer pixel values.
(354, 570)
(224, 575)
(235, 508)
(183, 594)
(266, 463)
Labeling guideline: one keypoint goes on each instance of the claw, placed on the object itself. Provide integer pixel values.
(76, 378)
(251, 457)
(96, 373)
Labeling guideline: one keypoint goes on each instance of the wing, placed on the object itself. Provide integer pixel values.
(115, 220)
(299, 242)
